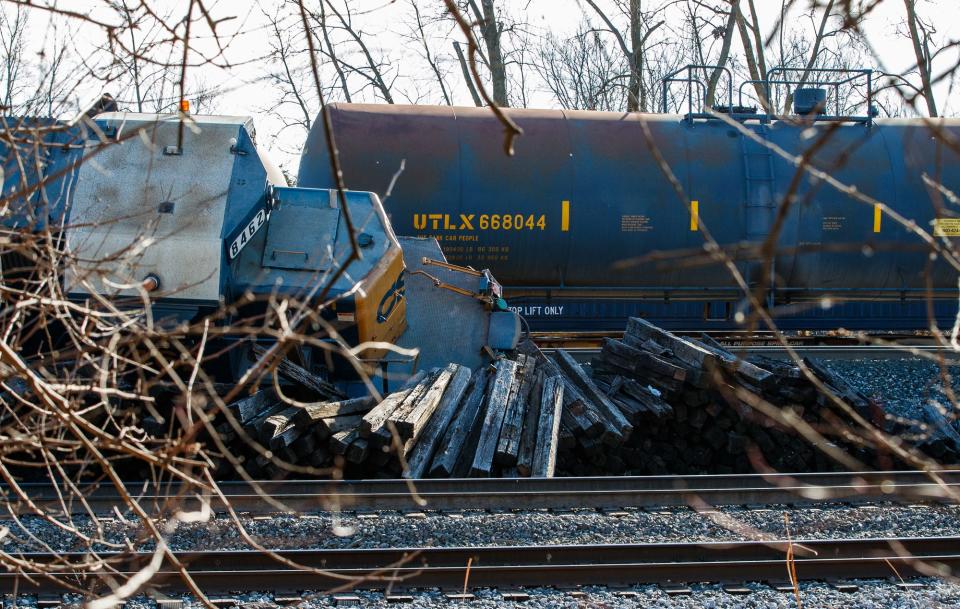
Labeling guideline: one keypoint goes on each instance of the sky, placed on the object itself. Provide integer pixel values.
(245, 92)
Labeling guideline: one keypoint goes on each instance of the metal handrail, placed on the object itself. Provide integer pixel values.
(776, 78)
(691, 78)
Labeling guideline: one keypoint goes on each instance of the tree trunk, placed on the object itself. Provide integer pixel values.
(724, 55)
(756, 73)
(637, 94)
(922, 51)
(490, 28)
(466, 74)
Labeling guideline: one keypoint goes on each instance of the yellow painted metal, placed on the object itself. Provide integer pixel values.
(565, 216)
(379, 289)
(694, 215)
(877, 216)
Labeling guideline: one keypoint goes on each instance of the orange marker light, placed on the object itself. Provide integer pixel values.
(185, 106)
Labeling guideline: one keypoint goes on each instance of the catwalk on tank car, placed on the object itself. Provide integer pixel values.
(600, 215)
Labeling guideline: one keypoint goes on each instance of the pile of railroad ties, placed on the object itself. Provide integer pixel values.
(651, 403)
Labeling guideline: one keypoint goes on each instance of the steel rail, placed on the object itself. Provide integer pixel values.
(585, 354)
(533, 493)
(619, 564)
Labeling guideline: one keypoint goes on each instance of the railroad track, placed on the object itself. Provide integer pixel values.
(538, 493)
(585, 354)
(221, 572)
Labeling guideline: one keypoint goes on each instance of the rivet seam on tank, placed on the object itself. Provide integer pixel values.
(694, 215)
(877, 216)
(565, 216)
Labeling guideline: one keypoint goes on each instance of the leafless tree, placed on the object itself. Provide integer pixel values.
(418, 32)
(582, 72)
(920, 36)
(641, 24)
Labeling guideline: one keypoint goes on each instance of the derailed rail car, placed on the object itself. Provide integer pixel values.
(601, 215)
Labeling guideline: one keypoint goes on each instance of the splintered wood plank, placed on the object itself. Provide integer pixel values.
(332, 425)
(341, 441)
(691, 353)
(639, 361)
(432, 436)
(412, 423)
(279, 430)
(455, 438)
(325, 410)
(374, 420)
(384, 436)
(249, 407)
(575, 405)
(508, 447)
(608, 409)
(528, 437)
(548, 428)
(297, 374)
(496, 409)
(753, 374)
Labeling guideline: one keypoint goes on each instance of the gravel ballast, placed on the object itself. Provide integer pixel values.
(902, 385)
(427, 529)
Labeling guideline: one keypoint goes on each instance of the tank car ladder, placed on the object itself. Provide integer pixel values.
(759, 182)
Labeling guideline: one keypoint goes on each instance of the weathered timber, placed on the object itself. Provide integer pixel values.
(301, 376)
(528, 436)
(548, 429)
(318, 411)
(374, 420)
(653, 403)
(567, 439)
(581, 421)
(340, 441)
(249, 407)
(384, 436)
(508, 446)
(937, 417)
(621, 426)
(252, 427)
(357, 451)
(328, 427)
(433, 433)
(410, 402)
(840, 386)
(319, 457)
(413, 422)
(304, 446)
(641, 360)
(784, 370)
(685, 350)
(454, 438)
(752, 374)
(493, 421)
(279, 430)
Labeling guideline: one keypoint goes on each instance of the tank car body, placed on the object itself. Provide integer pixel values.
(601, 215)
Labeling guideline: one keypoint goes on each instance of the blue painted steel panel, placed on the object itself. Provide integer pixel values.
(629, 230)
(40, 158)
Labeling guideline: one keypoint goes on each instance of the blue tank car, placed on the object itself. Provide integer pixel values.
(601, 215)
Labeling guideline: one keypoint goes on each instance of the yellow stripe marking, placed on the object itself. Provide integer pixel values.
(877, 215)
(565, 216)
(694, 215)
